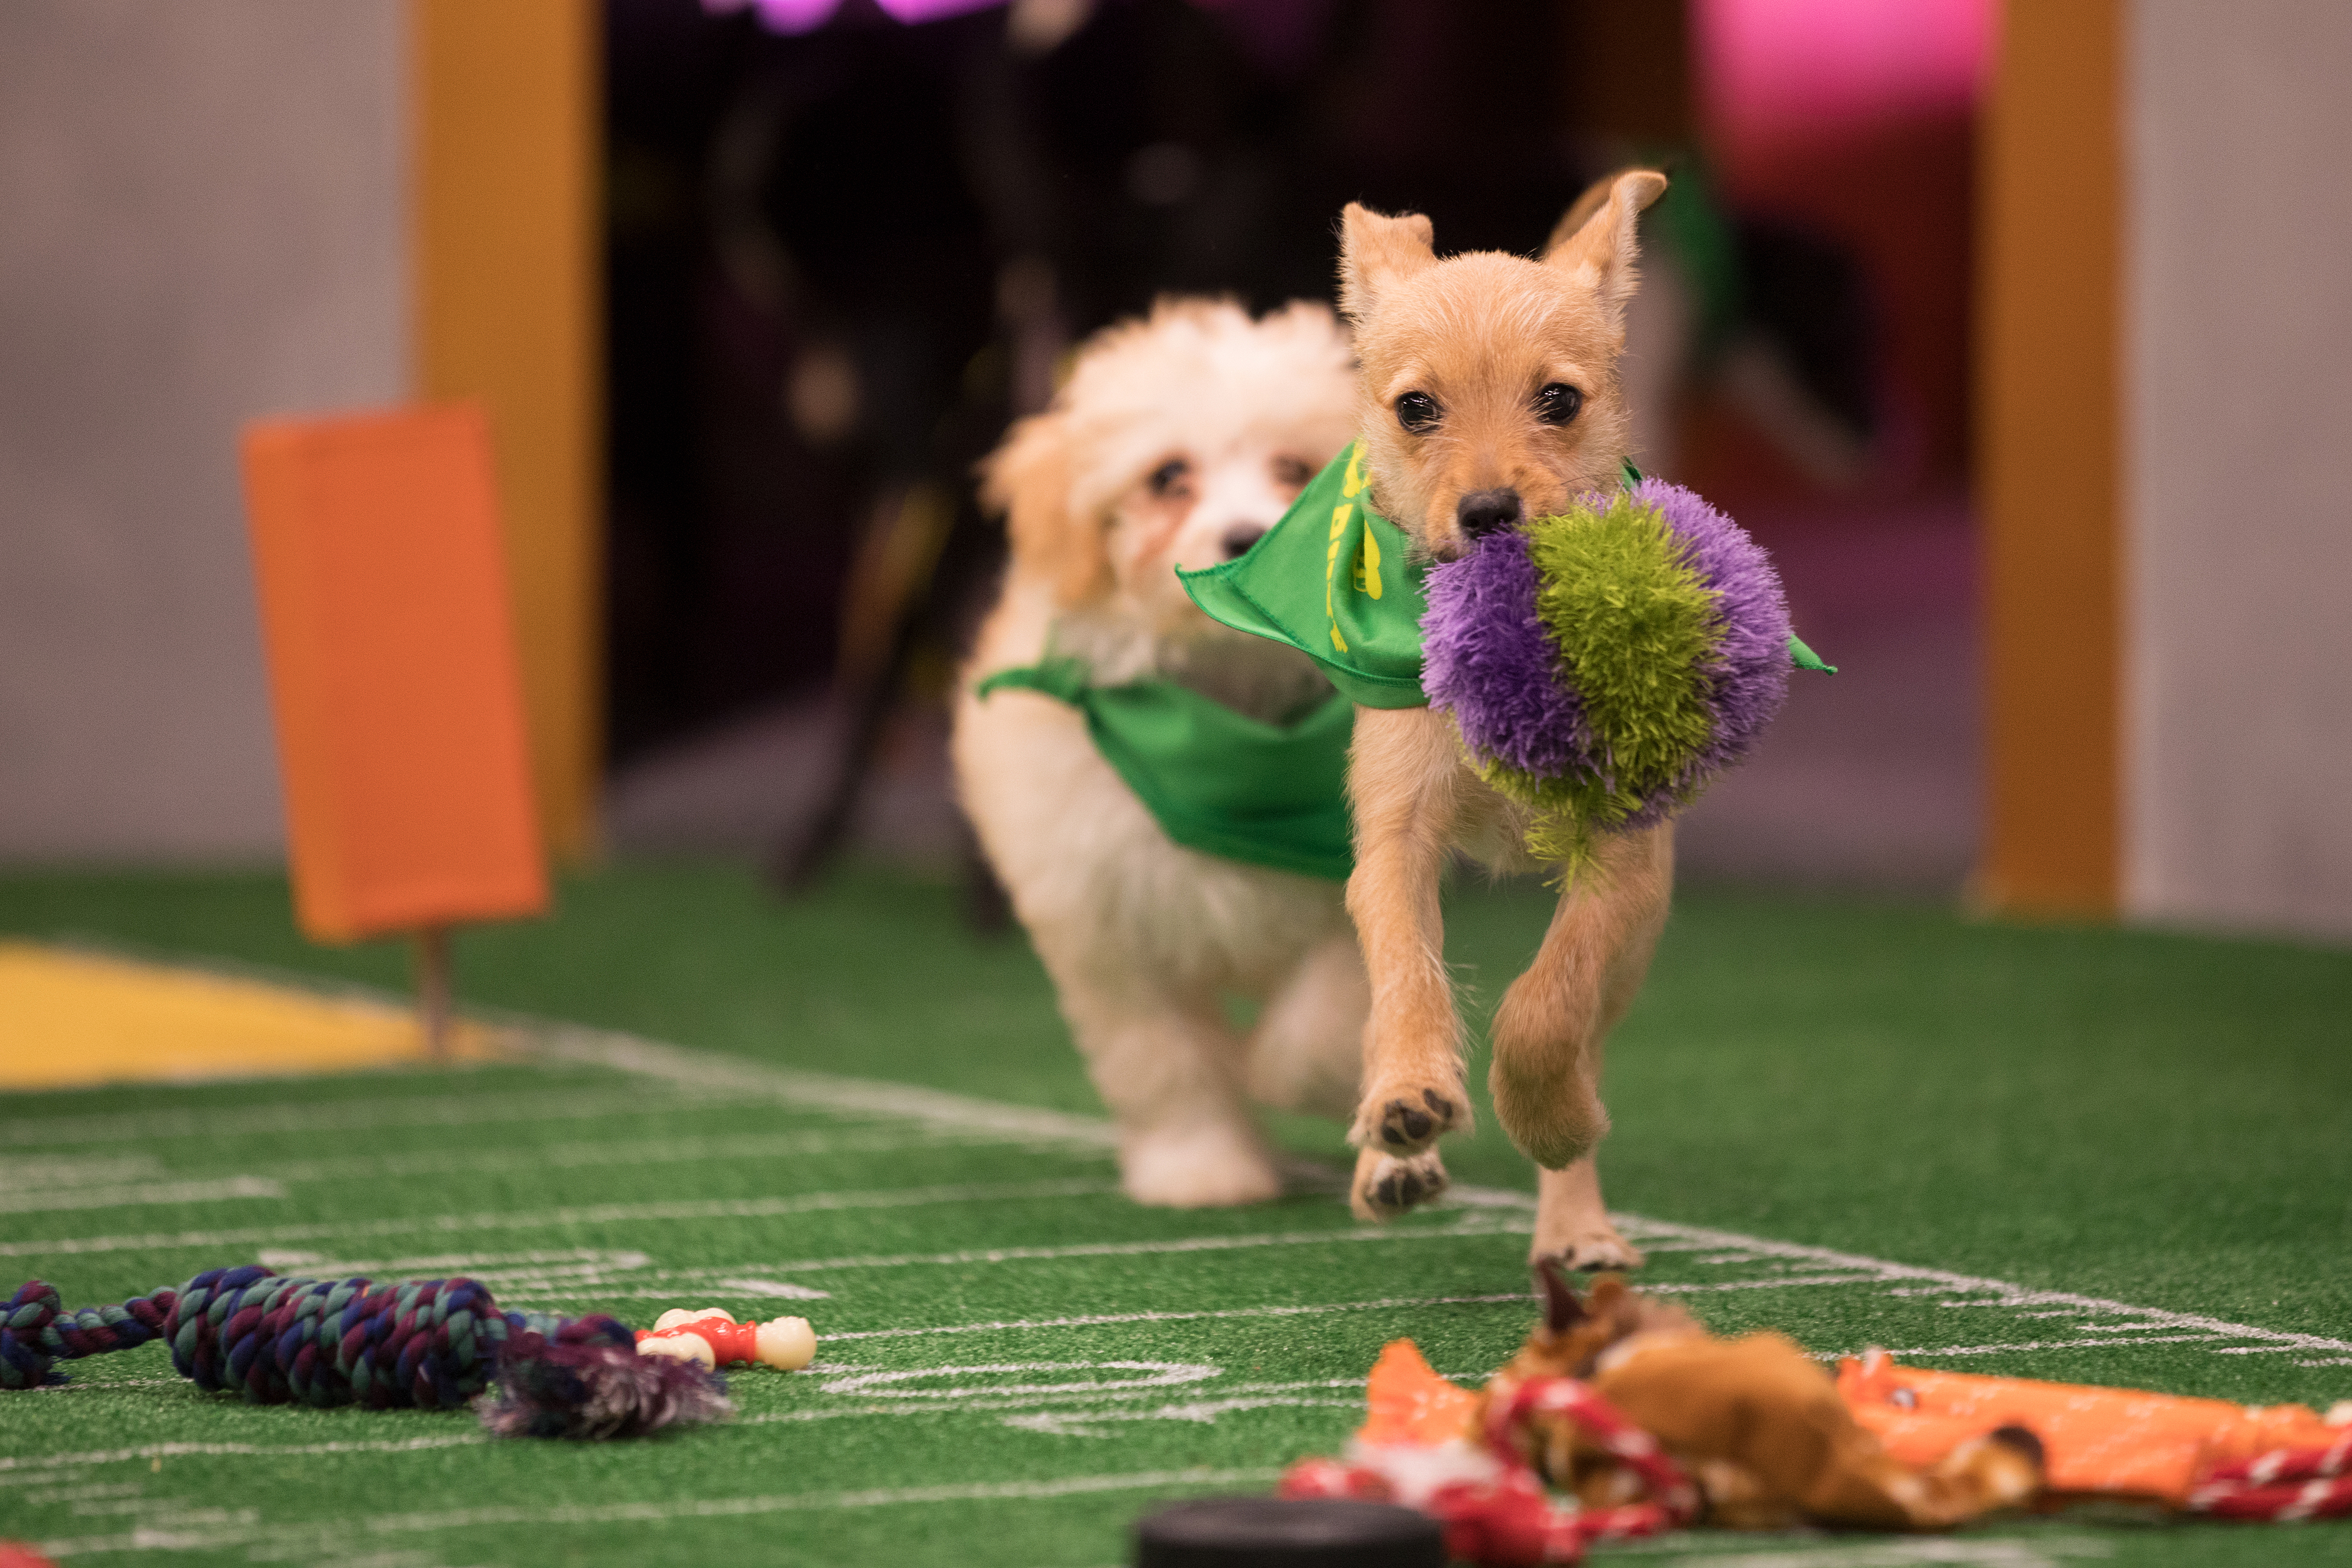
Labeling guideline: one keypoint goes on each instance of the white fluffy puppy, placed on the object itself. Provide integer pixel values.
(1177, 441)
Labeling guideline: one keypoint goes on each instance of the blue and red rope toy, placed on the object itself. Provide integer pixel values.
(431, 1345)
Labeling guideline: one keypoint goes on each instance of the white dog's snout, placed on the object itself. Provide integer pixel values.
(1240, 536)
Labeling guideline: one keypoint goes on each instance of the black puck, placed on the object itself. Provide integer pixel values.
(1279, 1533)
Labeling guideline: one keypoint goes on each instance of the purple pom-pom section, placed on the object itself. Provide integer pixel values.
(1750, 677)
(1488, 661)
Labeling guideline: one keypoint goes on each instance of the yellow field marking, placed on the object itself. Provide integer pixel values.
(71, 1019)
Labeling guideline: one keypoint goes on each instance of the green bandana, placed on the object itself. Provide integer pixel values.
(1334, 581)
(1346, 595)
(1217, 781)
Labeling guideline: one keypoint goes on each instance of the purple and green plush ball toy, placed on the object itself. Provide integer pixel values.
(1605, 664)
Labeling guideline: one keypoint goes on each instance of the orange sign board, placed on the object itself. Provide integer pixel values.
(390, 638)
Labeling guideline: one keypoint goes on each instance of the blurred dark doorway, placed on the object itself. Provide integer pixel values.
(841, 258)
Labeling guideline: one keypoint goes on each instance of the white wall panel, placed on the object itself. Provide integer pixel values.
(202, 218)
(2238, 465)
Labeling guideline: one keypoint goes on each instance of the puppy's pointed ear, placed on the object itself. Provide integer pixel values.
(1376, 251)
(1028, 479)
(1562, 1310)
(1595, 241)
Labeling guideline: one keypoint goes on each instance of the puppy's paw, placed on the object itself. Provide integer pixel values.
(1386, 1186)
(1201, 1165)
(1403, 1120)
(1592, 1250)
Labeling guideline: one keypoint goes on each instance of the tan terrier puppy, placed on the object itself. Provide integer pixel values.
(1488, 392)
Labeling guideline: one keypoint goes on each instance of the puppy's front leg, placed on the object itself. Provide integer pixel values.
(1403, 778)
(1550, 1030)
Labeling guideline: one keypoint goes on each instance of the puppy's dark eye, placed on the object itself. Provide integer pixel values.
(1416, 411)
(1558, 404)
(1293, 472)
(1169, 476)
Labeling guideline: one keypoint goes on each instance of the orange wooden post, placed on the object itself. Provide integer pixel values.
(2048, 423)
(391, 647)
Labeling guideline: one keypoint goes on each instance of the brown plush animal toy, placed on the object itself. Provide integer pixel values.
(1755, 1420)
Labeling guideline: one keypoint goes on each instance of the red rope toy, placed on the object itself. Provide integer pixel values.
(1510, 1521)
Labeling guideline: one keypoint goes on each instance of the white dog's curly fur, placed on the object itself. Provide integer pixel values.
(1177, 440)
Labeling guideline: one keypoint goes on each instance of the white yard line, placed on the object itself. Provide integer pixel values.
(2046, 1345)
(755, 1147)
(698, 1293)
(130, 1196)
(595, 1214)
(1912, 1280)
(1199, 1412)
(478, 1265)
(2039, 1551)
(106, 1387)
(698, 1070)
(981, 1402)
(44, 1462)
(32, 1468)
(340, 1536)
(1516, 1298)
(53, 1171)
(345, 1115)
(1467, 1227)
(1772, 1282)
(593, 1154)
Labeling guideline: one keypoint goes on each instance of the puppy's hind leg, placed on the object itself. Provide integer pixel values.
(1307, 1053)
(1171, 1075)
(1549, 1032)
(1571, 1224)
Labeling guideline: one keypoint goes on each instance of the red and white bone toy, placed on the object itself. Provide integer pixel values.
(712, 1339)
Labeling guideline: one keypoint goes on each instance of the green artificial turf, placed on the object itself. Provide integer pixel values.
(2161, 1120)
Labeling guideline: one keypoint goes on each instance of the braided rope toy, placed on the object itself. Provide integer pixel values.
(1502, 1516)
(432, 1344)
(2284, 1484)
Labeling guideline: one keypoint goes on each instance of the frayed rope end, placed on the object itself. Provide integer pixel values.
(587, 1381)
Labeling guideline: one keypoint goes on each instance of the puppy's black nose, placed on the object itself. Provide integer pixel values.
(1482, 512)
(1240, 536)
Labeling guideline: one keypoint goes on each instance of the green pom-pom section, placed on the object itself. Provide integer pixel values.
(1635, 627)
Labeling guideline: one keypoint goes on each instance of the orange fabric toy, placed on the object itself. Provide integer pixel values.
(1406, 1401)
(2207, 1456)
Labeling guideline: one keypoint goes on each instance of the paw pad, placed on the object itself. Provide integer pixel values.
(1404, 1125)
(1406, 1185)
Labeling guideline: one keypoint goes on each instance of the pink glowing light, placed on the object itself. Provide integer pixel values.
(1771, 67)
(780, 16)
(932, 10)
(794, 16)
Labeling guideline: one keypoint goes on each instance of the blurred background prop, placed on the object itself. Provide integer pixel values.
(391, 660)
